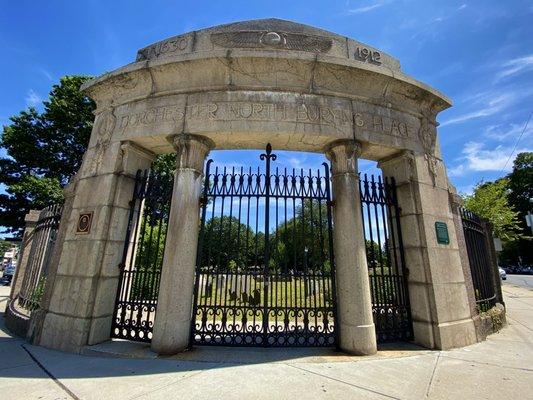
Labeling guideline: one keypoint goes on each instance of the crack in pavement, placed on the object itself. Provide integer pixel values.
(56, 381)
(346, 383)
(489, 364)
(430, 383)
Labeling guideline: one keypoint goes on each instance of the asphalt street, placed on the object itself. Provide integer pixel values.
(525, 281)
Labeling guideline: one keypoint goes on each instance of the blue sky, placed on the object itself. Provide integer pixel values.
(479, 53)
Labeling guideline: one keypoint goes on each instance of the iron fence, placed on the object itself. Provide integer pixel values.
(477, 246)
(42, 246)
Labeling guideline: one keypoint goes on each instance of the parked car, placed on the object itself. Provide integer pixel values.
(503, 274)
(7, 276)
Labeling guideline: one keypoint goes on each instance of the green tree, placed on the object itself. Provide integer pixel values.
(490, 201)
(307, 230)
(44, 150)
(229, 244)
(520, 191)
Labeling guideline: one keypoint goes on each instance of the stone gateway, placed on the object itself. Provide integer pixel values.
(242, 86)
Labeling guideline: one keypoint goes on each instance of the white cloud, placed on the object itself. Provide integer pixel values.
(47, 74)
(477, 158)
(516, 66)
(508, 131)
(488, 103)
(33, 99)
(370, 7)
(462, 7)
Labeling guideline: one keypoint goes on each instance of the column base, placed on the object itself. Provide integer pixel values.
(174, 340)
(358, 340)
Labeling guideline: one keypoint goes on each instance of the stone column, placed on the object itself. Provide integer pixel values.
(357, 334)
(440, 306)
(174, 302)
(30, 219)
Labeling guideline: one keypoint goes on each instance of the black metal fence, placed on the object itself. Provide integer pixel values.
(42, 246)
(143, 257)
(385, 259)
(483, 271)
(265, 272)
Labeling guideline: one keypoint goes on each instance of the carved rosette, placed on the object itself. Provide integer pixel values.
(343, 155)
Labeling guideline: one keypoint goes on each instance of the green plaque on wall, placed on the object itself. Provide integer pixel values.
(442, 233)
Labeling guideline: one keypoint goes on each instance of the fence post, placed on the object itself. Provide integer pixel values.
(30, 219)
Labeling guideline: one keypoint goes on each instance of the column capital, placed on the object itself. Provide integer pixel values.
(343, 155)
(191, 150)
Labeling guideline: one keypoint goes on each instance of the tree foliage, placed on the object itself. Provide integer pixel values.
(44, 150)
(490, 201)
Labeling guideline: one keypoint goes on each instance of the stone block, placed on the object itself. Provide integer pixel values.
(73, 296)
(112, 258)
(422, 307)
(95, 191)
(451, 302)
(100, 330)
(411, 234)
(445, 265)
(64, 333)
(106, 294)
(81, 258)
(433, 200)
(455, 334)
(118, 224)
(423, 334)
(415, 262)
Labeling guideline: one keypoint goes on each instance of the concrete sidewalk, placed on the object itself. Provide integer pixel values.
(500, 368)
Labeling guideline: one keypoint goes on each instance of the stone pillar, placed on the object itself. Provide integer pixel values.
(30, 219)
(80, 300)
(174, 302)
(440, 306)
(357, 334)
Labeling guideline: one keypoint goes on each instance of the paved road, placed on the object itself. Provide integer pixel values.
(520, 280)
(499, 368)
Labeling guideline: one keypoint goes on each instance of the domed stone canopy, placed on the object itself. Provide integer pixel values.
(248, 83)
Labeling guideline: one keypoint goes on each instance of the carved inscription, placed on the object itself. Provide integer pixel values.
(152, 116)
(377, 123)
(173, 45)
(367, 55)
(336, 117)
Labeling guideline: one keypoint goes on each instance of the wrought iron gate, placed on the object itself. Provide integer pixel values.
(265, 271)
(385, 258)
(482, 269)
(142, 258)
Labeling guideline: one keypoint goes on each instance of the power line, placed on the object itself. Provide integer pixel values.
(517, 141)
